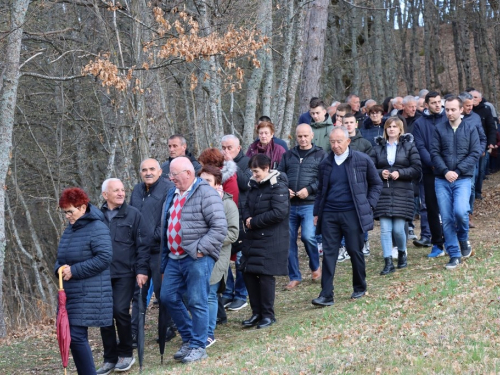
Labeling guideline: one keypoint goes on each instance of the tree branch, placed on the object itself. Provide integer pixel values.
(42, 76)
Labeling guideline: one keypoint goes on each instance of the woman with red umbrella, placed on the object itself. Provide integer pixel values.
(84, 255)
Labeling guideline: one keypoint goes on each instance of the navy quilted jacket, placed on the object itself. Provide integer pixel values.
(86, 247)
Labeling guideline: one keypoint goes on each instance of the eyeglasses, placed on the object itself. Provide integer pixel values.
(70, 212)
(173, 175)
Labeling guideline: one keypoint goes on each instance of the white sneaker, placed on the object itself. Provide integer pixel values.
(366, 248)
(343, 255)
(395, 252)
(320, 249)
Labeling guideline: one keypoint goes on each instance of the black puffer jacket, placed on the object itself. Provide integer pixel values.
(456, 151)
(150, 202)
(86, 247)
(243, 175)
(487, 120)
(302, 174)
(265, 250)
(364, 183)
(396, 199)
(131, 240)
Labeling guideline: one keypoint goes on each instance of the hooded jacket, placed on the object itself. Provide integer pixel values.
(86, 247)
(322, 131)
(423, 132)
(265, 250)
(359, 143)
(230, 179)
(272, 150)
(397, 196)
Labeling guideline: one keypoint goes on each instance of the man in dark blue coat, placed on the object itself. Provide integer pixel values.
(130, 239)
(455, 150)
(348, 190)
(148, 197)
(423, 131)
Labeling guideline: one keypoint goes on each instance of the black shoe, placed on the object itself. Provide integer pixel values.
(402, 259)
(389, 266)
(465, 249)
(134, 340)
(356, 295)
(322, 301)
(266, 322)
(170, 335)
(422, 242)
(479, 196)
(453, 263)
(221, 321)
(254, 319)
(226, 301)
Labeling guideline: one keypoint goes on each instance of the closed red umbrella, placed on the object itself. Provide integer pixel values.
(63, 334)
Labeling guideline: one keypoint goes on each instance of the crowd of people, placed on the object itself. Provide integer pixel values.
(352, 163)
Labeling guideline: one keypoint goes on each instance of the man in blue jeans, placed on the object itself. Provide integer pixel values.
(455, 150)
(301, 165)
(194, 227)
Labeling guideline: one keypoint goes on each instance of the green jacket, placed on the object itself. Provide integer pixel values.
(321, 132)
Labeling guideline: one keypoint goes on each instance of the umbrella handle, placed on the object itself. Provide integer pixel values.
(60, 278)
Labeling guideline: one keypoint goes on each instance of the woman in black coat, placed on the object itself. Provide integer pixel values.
(84, 255)
(398, 164)
(265, 253)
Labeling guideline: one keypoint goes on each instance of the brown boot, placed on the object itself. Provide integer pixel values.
(292, 285)
(471, 224)
(316, 275)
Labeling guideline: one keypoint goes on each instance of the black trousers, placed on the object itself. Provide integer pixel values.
(123, 290)
(433, 210)
(155, 276)
(261, 293)
(334, 226)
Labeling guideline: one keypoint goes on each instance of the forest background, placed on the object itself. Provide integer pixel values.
(89, 88)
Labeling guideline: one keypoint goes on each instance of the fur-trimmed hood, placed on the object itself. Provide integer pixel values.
(407, 137)
(228, 170)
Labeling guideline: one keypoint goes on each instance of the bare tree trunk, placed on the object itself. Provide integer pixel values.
(10, 79)
(294, 78)
(355, 83)
(314, 41)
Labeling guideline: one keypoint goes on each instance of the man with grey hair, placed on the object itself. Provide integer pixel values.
(235, 295)
(397, 105)
(148, 197)
(193, 229)
(130, 239)
(422, 93)
(177, 146)
(355, 103)
(348, 190)
(409, 112)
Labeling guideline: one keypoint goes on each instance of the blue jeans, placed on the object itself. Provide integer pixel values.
(302, 216)
(188, 278)
(213, 306)
(472, 198)
(392, 228)
(453, 200)
(235, 290)
(80, 350)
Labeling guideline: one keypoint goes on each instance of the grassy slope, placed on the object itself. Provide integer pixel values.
(420, 320)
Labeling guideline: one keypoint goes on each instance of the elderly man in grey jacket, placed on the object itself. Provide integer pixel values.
(194, 227)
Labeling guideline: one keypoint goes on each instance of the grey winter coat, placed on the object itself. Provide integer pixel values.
(397, 197)
(221, 267)
(204, 224)
(86, 247)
